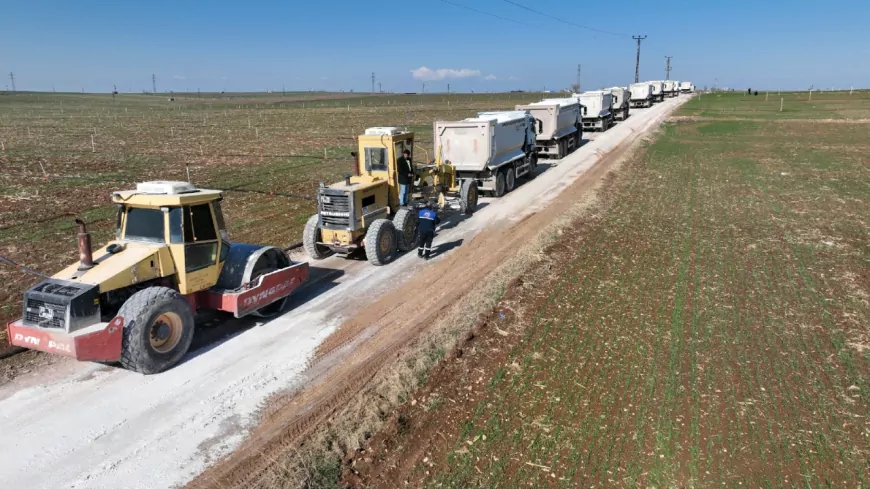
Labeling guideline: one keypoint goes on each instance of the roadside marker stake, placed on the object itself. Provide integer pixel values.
(93, 145)
(780, 103)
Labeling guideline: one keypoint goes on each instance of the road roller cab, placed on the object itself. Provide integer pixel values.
(134, 300)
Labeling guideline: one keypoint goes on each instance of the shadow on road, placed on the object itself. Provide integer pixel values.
(442, 248)
(213, 328)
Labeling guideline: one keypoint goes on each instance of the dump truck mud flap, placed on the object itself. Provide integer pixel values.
(257, 294)
(100, 342)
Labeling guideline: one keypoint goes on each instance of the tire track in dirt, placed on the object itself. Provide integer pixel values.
(394, 321)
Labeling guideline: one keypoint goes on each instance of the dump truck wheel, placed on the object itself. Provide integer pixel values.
(578, 138)
(510, 179)
(158, 329)
(380, 242)
(499, 184)
(468, 195)
(405, 222)
(310, 237)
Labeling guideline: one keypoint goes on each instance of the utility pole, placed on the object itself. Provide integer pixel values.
(448, 88)
(373, 82)
(637, 63)
(578, 76)
(154, 84)
(668, 68)
(12, 80)
(424, 87)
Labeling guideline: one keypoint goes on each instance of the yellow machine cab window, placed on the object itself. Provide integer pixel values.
(143, 224)
(376, 159)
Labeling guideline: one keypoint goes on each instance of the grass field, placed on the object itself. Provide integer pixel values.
(707, 326)
(65, 153)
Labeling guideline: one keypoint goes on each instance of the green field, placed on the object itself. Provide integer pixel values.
(65, 153)
(706, 327)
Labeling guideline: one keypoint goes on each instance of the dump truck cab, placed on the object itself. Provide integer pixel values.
(134, 300)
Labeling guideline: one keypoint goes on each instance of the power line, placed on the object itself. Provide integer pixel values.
(637, 63)
(563, 20)
(482, 12)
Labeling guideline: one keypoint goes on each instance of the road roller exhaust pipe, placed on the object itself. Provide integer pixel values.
(86, 253)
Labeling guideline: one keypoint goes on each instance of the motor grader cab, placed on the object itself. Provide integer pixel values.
(133, 301)
(363, 211)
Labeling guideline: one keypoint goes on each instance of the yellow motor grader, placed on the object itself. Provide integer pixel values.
(363, 211)
(133, 301)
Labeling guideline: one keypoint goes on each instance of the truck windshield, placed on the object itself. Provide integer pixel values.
(144, 224)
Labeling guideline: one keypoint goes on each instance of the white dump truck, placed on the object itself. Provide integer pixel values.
(658, 90)
(687, 87)
(670, 89)
(596, 111)
(621, 102)
(641, 94)
(558, 125)
(492, 149)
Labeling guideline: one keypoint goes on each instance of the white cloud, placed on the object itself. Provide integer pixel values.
(513, 78)
(179, 77)
(490, 77)
(427, 74)
(324, 78)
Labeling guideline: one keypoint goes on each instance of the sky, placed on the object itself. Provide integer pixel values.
(93, 45)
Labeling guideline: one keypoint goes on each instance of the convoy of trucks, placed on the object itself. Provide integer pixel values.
(141, 315)
(559, 127)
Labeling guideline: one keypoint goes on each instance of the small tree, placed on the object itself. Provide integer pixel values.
(575, 88)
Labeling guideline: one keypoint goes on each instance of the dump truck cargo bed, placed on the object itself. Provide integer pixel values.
(557, 124)
(487, 141)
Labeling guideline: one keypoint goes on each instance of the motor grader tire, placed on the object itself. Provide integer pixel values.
(499, 190)
(311, 237)
(468, 195)
(158, 330)
(380, 242)
(510, 179)
(405, 222)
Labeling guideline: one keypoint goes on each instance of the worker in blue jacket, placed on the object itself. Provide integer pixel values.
(427, 221)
